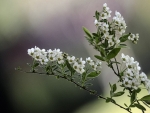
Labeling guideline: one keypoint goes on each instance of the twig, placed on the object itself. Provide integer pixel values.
(82, 87)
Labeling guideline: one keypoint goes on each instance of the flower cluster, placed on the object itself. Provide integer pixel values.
(38, 54)
(112, 31)
(134, 37)
(119, 23)
(132, 78)
(105, 12)
(55, 55)
(95, 65)
(78, 64)
(43, 56)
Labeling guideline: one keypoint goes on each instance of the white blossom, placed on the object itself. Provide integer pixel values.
(110, 42)
(127, 82)
(143, 77)
(133, 37)
(107, 36)
(31, 52)
(71, 59)
(89, 61)
(116, 40)
(78, 67)
(104, 27)
(60, 58)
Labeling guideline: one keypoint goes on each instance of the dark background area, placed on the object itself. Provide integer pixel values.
(53, 24)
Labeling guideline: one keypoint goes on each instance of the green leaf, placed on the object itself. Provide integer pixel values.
(132, 106)
(99, 57)
(140, 107)
(97, 15)
(110, 100)
(125, 105)
(69, 67)
(113, 53)
(36, 64)
(87, 32)
(111, 91)
(95, 34)
(138, 90)
(93, 74)
(133, 96)
(123, 46)
(106, 44)
(102, 51)
(47, 68)
(117, 94)
(97, 40)
(114, 87)
(84, 76)
(124, 38)
(146, 99)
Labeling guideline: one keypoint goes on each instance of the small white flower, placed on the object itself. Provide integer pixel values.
(105, 5)
(81, 62)
(107, 36)
(89, 61)
(118, 14)
(81, 70)
(60, 58)
(129, 73)
(94, 67)
(124, 58)
(137, 37)
(78, 68)
(135, 83)
(103, 15)
(98, 63)
(131, 37)
(127, 83)
(71, 59)
(116, 40)
(96, 22)
(110, 42)
(75, 65)
(31, 51)
(143, 76)
(43, 60)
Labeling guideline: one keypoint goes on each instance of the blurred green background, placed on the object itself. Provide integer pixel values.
(53, 24)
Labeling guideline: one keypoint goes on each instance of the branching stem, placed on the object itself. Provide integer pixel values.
(82, 87)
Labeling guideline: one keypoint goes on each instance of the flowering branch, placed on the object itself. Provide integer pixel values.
(109, 39)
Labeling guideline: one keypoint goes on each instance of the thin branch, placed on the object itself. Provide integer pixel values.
(117, 66)
(82, 87)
